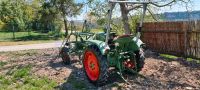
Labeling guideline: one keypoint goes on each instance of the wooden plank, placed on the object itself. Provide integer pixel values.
(179, 38)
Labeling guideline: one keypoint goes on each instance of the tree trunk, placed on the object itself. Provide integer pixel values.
(65, 24)
(124, 13)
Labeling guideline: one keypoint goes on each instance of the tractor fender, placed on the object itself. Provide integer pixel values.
(100, 44)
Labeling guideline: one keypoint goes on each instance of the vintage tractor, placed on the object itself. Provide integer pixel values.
(101, 51)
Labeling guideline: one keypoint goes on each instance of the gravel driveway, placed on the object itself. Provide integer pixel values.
(31, 46)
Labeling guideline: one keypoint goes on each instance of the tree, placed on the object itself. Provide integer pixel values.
(48, 16)
(67, 8)
(126, 8)
(17, 12)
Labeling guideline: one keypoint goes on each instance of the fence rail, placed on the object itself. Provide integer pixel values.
(179, 38)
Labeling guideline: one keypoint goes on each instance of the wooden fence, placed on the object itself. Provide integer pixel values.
(179, 38)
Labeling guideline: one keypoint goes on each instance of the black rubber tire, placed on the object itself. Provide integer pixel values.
(140, 60)
(65, 56)
(103, 65)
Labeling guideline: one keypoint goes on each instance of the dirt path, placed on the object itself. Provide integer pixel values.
(31, 46)
(156, 74)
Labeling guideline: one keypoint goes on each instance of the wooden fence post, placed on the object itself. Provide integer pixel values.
(185, 30)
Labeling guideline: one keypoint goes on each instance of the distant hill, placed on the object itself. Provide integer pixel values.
(181, 16)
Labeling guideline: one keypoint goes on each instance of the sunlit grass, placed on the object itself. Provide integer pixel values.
(173, 57)
(2, 63)
(168, 56)
(21, 79)
(23, 38)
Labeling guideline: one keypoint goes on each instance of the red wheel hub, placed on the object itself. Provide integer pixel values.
(129, 64)
(91, 65)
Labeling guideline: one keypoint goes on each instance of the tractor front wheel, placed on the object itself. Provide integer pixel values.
(95, 65)
(140, 59)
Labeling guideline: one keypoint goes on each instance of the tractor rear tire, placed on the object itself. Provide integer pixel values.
(65, 56)
(95, 66)
(140, 59)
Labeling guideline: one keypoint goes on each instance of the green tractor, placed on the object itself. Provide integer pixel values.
(101, 51)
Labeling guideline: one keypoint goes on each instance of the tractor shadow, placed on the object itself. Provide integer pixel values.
(76, 79)
(133, 80)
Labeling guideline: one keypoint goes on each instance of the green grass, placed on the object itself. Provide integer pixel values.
(189, 59)
(168, 56)
(22, 38)
(175, 57)
(2, 63)
(21, 79)
(8, 36)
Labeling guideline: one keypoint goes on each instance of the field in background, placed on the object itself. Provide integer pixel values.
(22, 38)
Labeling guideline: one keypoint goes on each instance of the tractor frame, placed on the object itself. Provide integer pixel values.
(100, 51)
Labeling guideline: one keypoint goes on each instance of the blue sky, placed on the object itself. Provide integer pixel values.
(193, 6)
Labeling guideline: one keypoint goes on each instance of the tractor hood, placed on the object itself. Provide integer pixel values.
(101, 45)
(127, 43)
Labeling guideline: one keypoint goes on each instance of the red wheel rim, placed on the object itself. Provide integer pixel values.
(91, 65)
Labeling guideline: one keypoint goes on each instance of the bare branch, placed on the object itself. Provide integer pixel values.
(133, 7)
(157, 5)
(151, 13)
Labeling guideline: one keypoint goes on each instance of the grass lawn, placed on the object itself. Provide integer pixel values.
(168, 56)
(20, 78)
(21, 38)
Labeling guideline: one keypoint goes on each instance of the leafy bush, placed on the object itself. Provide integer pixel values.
(2, 25)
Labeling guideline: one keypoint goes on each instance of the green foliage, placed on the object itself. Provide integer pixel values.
(67, 7)
(37, 15)
(99, 8)
(21, 72)
(101, 21)
(16, 12)
(22, 15)
(2, 25)
(134, 22)
(2, 63)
